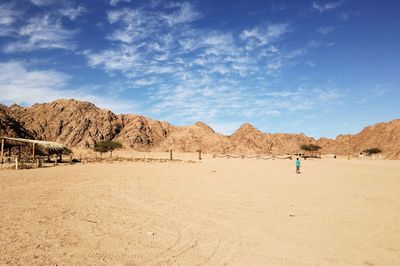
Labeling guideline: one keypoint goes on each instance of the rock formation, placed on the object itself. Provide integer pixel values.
(82, 124)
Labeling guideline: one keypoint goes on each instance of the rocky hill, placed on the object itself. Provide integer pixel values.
(82, 124)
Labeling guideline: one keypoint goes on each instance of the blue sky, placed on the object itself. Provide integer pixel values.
(318, 67)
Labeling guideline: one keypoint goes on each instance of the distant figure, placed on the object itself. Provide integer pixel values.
(298, 166)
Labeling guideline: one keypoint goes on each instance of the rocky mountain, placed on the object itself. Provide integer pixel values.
(9, 126)
(82, 124)
(71, 122)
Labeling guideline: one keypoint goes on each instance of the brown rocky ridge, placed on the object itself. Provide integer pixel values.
(82, 124)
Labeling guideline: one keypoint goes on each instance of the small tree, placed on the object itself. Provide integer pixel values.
(310, 147)
(107, 146)
(372, 151)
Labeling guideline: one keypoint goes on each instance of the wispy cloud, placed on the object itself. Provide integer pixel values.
(347, 15)
(116, 2)
(190, 73)
(375, 92)
(260, 36)
(185, 12)
(23, 85)
(327, 6)
(42, 32)
(72, 12)
(325, 30)
(7, 15)
(123, 58)
(43, 2)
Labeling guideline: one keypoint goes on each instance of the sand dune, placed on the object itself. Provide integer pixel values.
(213, 212)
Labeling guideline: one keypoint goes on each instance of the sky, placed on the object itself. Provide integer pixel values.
(321, 68)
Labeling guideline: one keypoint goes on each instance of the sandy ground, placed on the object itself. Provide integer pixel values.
(213, 212)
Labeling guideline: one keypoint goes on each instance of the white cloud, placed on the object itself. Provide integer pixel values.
(310, 63)
(313, 44)
(42, 33)
(328, 96)
(275, 65)
(22, 85)
(43, 2)
(116, 2)
(133, 25)
(159, 44)
(325, 30)
(194, 72)
(185, 13)
(123, 58)
(345, 16)
(7, 15)
(327, 6)
(260, 36)
(380, 90)
(19, 85)
(145, 82)
(72, 12)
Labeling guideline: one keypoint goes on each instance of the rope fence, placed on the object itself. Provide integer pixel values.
(228, 156)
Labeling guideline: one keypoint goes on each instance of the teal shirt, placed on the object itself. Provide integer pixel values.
(298, 163)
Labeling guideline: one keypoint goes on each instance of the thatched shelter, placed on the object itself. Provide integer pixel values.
(44, 146)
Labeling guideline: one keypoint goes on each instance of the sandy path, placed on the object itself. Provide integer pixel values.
(219, 211)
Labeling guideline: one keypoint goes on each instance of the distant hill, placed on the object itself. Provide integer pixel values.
(82, 124)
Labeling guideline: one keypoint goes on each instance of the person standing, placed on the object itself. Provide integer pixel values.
(298, 164)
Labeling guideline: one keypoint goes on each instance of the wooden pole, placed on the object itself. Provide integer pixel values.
(2, 150)
(16, 162)
(33, 153)
(348, 149)
(199, 154)
(170, 155)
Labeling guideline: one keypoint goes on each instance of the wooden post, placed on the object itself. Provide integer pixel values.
(2, 150)
(348, 148)
(170, 155)
(55, 161)
(33, 153)
(16, 162)
(199, 154)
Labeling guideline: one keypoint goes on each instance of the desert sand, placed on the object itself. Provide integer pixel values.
(213, 212)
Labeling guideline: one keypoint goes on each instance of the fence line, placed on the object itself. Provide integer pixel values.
(228, 156)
